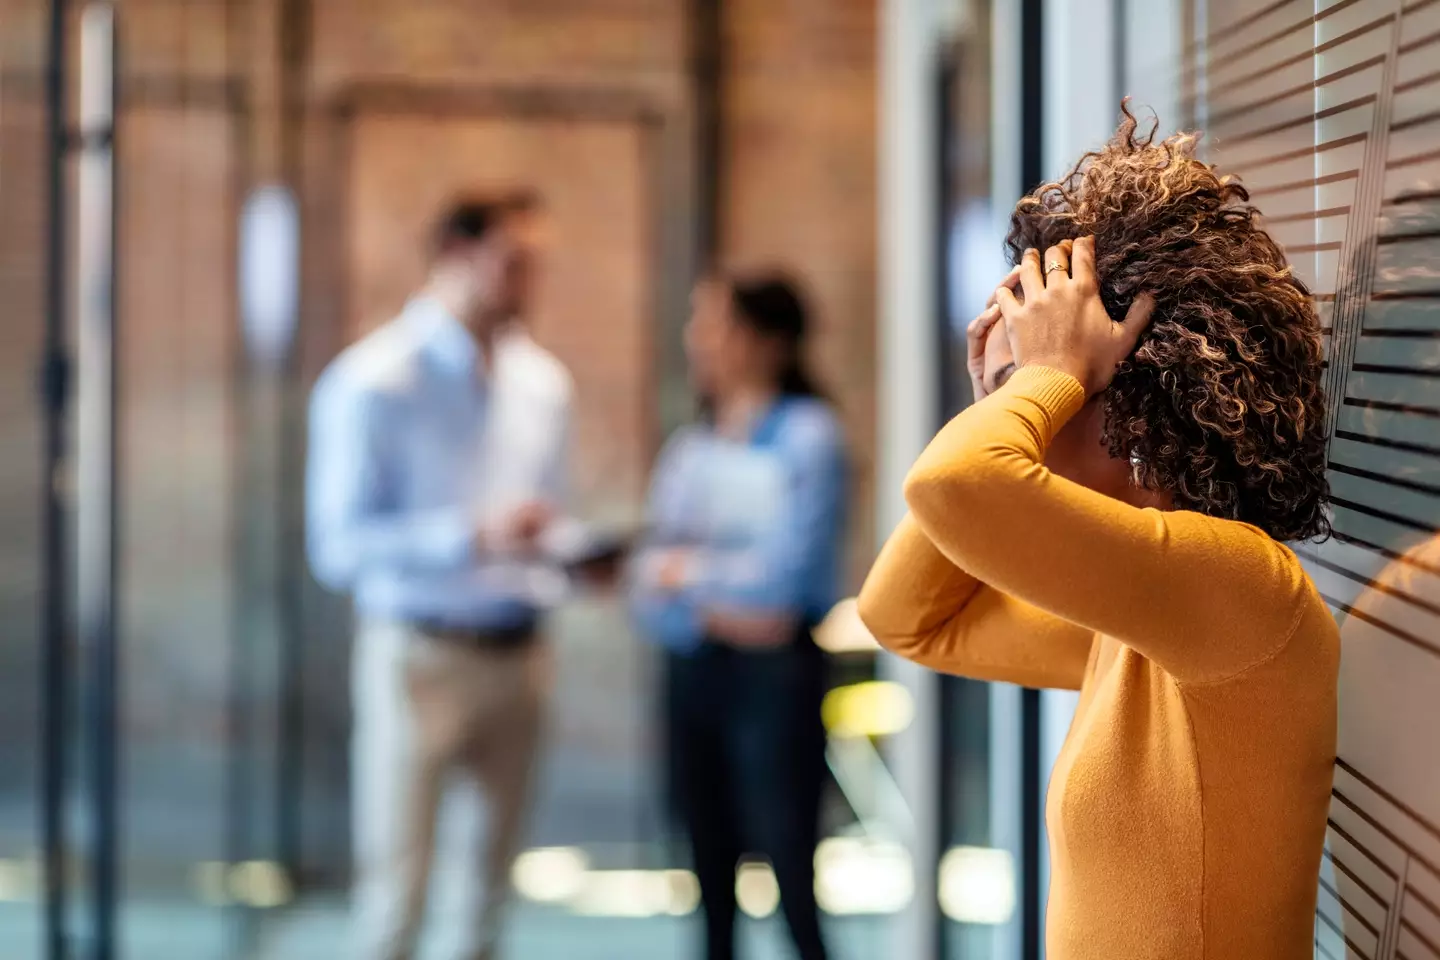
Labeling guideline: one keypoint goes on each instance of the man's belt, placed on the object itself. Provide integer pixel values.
(484, 638)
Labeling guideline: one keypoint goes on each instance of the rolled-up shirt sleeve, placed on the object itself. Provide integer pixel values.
(350, 524)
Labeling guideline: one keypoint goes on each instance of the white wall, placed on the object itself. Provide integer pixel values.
(1080, 106)
(1153, 60)
(907, 395)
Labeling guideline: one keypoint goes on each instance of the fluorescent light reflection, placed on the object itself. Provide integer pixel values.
(856, 876)
(551, 874)
(637, 893)
(977, 885)
(19, 881)
(874, 708)
(842, 631)
(853, 876)
(756, 890)
(261, 884)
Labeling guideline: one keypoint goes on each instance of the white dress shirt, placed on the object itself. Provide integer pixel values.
(415, 446)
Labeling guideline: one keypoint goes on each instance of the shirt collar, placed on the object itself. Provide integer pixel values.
(762, 427)
(445, 338)
(766, 425)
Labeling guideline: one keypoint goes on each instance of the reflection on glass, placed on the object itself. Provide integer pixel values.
(1350, 176)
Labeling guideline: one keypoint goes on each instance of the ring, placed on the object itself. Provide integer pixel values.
(1052, 266)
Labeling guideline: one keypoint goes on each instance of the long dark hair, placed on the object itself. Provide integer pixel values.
(771, 305)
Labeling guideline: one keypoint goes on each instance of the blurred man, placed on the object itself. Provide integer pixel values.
(436, 471)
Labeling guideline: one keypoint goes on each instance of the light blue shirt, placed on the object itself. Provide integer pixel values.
(414, 450)
(789, 563)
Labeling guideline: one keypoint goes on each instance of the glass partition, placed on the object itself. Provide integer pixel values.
(1327, 111)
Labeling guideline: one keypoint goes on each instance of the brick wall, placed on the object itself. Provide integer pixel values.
(800, 189)
(587, 97)
(570, 97)
(22, 258)
(593, 306)
(585, 100)
(799, 167)
(633, 44)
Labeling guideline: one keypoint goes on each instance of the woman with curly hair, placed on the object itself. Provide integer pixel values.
(1109, 516)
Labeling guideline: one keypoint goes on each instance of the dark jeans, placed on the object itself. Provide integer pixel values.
(747, 765)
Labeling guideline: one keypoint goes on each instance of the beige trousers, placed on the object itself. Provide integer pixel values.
(436, 724)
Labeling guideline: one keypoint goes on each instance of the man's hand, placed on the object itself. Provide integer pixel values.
(673, 570)
(525, 523)
(1062, 323)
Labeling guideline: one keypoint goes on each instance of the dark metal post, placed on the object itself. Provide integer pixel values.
(708, 53)
(238, 775)
(946, 75)
(295, 26)
(55, 389)
(1032, 163)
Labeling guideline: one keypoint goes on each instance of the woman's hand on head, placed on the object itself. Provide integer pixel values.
(979, 330)
(1062, 323)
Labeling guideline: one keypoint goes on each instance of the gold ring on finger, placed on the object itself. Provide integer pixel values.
(1052, 266)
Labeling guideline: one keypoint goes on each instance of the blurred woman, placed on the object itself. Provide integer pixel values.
(1110, 516)
(746, 516)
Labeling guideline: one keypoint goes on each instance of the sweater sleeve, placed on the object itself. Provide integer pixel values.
(922, 607)
(1204, 598)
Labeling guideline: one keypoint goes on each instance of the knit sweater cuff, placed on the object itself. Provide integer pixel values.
(1060, 395)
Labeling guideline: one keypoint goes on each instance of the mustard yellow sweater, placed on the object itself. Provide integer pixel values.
(1187, 809)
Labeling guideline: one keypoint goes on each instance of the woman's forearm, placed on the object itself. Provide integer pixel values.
(920, 606)
(1164, 582)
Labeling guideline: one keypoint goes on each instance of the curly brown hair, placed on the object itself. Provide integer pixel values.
(1221, 405)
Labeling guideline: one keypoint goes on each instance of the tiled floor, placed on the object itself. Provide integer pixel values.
(317, 931)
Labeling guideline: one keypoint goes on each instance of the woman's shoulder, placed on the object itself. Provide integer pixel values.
(1268, 611)
(1267, 574)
